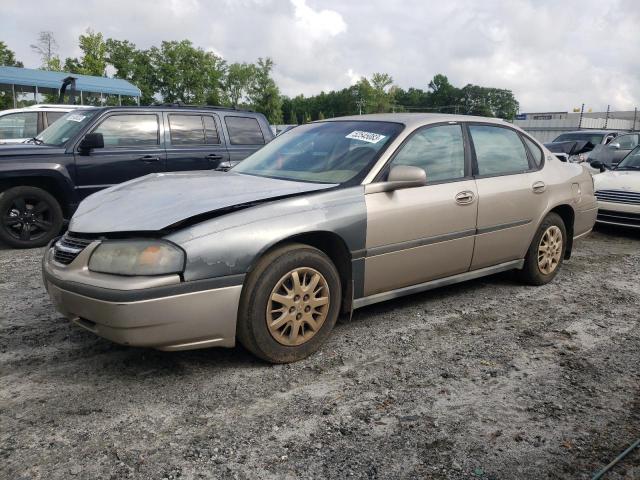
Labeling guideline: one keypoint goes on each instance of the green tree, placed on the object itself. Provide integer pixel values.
(94, 60)
(264, 94)
(187, 74)
(8, 57)
(237, 82)
(133, 65)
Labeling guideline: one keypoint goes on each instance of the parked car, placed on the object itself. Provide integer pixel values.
(91, 149)
(618, 191)
(577, 146)
(20, 124)
(612, 153)
(328, 217)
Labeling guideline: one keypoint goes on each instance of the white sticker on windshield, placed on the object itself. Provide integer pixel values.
(74, 117)
(368, 137)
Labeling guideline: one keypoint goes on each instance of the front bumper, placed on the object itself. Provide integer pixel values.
(620, 214)
(159, 312)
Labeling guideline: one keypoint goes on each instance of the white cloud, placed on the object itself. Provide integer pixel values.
(553, 55)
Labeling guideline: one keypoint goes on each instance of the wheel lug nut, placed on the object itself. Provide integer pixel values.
(296, 298)
(307, 309)
(305, 298)
(292, 309)
(298, 316)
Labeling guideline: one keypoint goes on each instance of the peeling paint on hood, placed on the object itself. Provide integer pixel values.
(155, 201)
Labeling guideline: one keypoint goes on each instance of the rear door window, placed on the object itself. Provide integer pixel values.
(244, 131)
(135, 130)
(186, 130)
(499, 150)
(53, 116)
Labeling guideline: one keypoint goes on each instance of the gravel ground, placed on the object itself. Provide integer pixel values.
(487, 379)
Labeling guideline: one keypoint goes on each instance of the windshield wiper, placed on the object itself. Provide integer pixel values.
(629, 167)
(35, 140)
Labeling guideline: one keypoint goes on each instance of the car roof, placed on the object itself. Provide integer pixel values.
(591, 131)
(179, 107)
(416, 119)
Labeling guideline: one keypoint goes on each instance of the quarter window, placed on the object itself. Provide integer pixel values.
(536, 153)
(53, 116)
(129, 131)
(438, 150)
(499, 151)
(244, 131)
(19, 125)
(210, 130)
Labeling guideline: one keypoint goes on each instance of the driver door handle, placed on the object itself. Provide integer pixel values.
(149, 159)
(214, 156)
(465, 198)
(538, 187)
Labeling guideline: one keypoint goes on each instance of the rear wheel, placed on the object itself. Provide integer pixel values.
(29, 217)
(290, 304)
(546, 251)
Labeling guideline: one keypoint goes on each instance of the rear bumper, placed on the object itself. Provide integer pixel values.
(180, 316)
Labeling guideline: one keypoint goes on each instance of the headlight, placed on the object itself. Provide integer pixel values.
(137, 257)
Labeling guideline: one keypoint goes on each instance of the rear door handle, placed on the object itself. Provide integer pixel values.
(465, 198)
(149, 159)
(214, 156)
(538, 187)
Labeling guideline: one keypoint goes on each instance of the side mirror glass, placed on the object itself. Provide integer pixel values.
(91, 141)
(400, 176)
(615, 145)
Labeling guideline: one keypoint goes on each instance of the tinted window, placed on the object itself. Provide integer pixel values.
(498, 150)
(53, 116)
(438, 150)
(186, 130)
(211, 132)
(19, 125)
(594, 138)
(244, 131)
(129, 131)
(627, 142)
(536, 153)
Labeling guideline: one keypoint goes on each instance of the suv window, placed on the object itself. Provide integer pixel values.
(438, 150)
(244, 131)
(193, 130)
(499, 150)
(53, 116)
(627, 142)
(19, 125)
(132, 130)
(535, 151)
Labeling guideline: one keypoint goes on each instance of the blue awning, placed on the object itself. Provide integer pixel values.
(85, 83)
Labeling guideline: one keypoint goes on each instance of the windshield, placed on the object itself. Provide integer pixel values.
(325, 152)
(631, 161)
(66, 127)
(594, 138)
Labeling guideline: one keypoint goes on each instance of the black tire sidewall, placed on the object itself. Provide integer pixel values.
(531, 270)
(256, 336)
(8, 196)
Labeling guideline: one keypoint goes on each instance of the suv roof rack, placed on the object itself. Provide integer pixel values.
(213, 107)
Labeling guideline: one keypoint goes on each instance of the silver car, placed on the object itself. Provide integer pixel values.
(329, 217)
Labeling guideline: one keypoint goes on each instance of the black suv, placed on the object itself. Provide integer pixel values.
(42, 182)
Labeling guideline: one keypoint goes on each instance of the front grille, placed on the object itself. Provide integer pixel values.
(68, 248)
(619, 196)
(624, 218)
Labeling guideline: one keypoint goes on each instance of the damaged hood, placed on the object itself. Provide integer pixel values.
(157, 201)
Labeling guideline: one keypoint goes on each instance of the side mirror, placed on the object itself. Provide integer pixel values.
(400, 176)
(615, 145)
(91, 141)
(597, 164)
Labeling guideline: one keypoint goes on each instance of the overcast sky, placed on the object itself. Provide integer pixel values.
(554, 55)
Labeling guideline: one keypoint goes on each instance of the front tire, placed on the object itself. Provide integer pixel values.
(290, 304)
(29, 217)
(546, 252)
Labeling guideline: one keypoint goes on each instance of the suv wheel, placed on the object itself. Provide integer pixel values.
(546, 251)
(289, 304)
(29, 217)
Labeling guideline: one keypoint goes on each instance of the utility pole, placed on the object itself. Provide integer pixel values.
(606, 118)
(635, 115)
(361, 103)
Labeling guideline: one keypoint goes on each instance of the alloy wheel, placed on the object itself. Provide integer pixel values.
(550, 250)
(298, 306)
(28, 218)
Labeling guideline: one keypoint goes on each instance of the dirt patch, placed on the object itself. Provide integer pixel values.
(487, 379)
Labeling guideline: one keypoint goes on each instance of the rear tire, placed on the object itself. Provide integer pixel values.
(289, 304)
(546, 252)
(29, 217)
